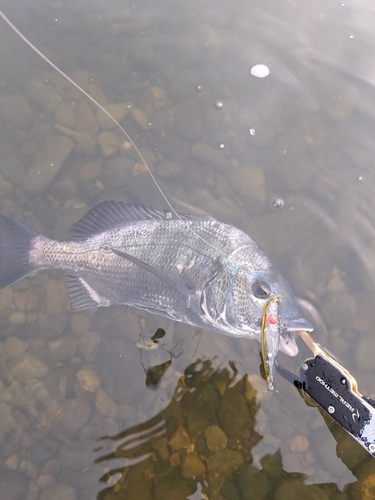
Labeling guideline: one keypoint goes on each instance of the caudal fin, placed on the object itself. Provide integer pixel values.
(15, 240)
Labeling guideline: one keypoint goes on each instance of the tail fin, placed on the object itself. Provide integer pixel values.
(15, 241)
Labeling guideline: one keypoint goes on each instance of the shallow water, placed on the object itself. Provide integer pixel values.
(97, 405)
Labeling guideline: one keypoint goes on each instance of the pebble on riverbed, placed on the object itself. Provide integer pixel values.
(17, 111)
(105, 405)
(88, 379)
(13, 170)
(180, 439)
(47, 163)
(216, 438)
(192, 466)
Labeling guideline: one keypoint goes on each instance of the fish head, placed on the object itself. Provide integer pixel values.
(263, 285)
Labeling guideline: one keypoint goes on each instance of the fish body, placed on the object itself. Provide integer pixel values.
(192, 269)
(270, 338)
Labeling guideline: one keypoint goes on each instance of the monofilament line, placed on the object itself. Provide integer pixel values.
(64, 75)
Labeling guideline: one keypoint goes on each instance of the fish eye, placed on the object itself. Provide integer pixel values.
(261, 289)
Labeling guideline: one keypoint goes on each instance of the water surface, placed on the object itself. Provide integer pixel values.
(98, 405)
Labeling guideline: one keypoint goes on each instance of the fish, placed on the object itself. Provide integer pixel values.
(270, 339)
(191, 269)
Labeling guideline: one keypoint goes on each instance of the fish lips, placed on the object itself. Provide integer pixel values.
(287, 339)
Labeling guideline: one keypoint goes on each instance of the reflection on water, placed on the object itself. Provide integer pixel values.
(97, 405)
(202, 442)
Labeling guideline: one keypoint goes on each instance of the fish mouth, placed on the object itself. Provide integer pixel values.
(287, 339)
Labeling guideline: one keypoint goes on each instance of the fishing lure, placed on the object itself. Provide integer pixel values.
(270, 339)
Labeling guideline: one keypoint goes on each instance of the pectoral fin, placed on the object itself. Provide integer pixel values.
(171, 279)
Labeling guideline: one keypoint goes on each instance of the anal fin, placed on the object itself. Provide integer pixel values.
(81, 295)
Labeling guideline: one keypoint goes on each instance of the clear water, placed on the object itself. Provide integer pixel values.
(86, 410)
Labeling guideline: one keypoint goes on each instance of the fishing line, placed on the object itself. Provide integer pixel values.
(64, 75)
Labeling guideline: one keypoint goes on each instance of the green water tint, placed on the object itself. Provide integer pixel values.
(204, 440)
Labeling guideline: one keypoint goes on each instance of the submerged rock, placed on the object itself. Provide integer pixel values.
(86, 120)
(179, 485)
(16, 110)
(187, 120)
(76, 456)
(140, 118)
(89, 171)
(13, 170)
(118, 111)
(179, 439)
(56, 297)
(64, 348)
(88, 379)
(249, 183)
(105, 405)
(233, 412)
(17, 318)
(64, 115)
(61, 491)
(80, 323)
(296, 489)
(13, 486)
(47, 163)
(202, 151)
(192, 466)
(221, 467)
(139, 490)
(216, 438)
(254, 483)
(117, 363)
(202, 408)
(7, 422)
(44, 96)
(6, 299)
(29, 367)
(88, 345)
(73, 414)
(118, 171)
(109, 143)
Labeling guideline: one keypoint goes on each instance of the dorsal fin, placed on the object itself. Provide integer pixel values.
(110, 214)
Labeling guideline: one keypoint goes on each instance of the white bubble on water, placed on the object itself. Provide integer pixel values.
(252, 131)
(260, 71)
(351, 36)
(219, 104)
(278, 203)
(222, 146)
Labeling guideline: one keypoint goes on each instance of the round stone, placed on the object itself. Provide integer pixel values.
(216, 438)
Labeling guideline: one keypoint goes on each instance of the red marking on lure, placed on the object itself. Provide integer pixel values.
(272, 319)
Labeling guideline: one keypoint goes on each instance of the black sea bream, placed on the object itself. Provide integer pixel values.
(192, 269)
